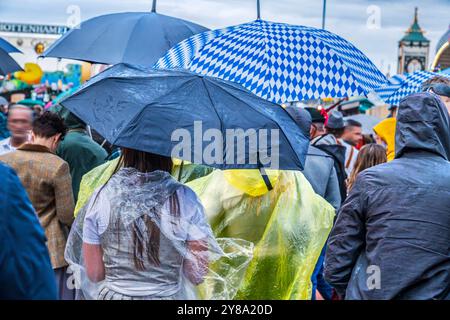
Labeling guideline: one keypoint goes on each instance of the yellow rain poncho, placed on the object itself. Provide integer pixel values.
(288, 226)
(386, 131)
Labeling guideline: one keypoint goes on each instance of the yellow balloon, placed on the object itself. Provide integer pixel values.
(85, 71)
(32, 74)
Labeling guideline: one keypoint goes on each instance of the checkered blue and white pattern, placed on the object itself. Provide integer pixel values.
(278, 62)
(410, 84)
(394, 83)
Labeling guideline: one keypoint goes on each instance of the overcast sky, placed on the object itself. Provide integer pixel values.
(355, 20)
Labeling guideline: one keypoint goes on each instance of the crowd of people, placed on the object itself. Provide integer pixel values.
(360, 221)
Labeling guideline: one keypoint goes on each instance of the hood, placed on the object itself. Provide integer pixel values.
(422, 124)
(250, 181)
(386, 131)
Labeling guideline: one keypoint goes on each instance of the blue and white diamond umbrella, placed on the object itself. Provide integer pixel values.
(394, 83)
(401, 86)
(278, 62)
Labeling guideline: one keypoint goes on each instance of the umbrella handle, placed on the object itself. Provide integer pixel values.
(264, 175)
(265, 178)
(154, 6)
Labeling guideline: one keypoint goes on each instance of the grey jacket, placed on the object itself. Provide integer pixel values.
(319, 171)
(391, 239)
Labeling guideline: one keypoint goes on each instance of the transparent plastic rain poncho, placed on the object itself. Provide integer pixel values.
(288, 225)
(189, 264)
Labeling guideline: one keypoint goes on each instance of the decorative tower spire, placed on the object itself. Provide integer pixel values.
(415, 32)
(413, 48)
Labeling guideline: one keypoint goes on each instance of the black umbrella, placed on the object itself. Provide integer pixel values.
(139, 38)
(188, 116)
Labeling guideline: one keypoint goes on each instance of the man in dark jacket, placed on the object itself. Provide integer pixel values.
(392, 235)
(26, 272)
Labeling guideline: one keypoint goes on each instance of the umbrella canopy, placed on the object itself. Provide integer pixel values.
(139, 38)
(8, 47)
(7, 63)
(367, 121)
(150, 110)
(401, 86)
(278, 62)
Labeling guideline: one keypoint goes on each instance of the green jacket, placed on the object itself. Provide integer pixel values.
(82, 154)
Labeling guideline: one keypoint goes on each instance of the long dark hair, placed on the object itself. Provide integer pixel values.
(144, 246)
(147, 162)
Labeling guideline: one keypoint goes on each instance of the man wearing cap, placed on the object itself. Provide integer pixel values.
(329, 143)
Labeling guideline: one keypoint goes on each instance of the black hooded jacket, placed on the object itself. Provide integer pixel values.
(392, 236)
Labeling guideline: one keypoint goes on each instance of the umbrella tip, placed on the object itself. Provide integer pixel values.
(154, 6)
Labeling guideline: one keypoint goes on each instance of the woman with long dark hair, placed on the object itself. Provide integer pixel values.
(369, 155)
(143, 235)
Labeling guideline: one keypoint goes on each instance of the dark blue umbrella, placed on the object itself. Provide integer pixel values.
(7, 63)
(154, 110)
(139, 38)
